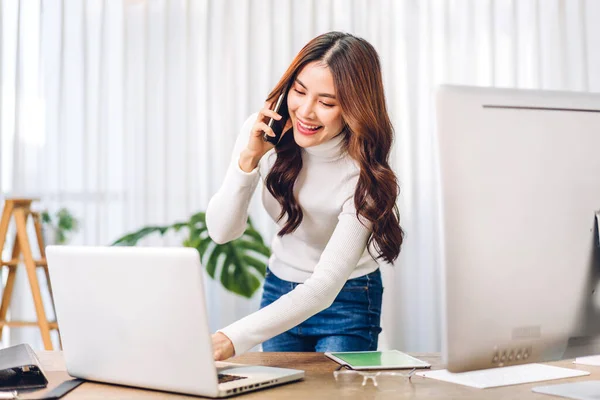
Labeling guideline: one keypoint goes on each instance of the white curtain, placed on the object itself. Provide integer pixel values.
(133, 112)
(22, 142)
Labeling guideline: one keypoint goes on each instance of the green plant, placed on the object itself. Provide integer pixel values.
(240, 264)
(62, 222)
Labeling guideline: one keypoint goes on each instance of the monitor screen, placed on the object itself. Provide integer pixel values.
(520, 188)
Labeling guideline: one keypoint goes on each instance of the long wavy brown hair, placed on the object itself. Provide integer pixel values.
(356, 71)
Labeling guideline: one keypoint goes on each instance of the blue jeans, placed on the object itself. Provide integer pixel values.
(351, 323)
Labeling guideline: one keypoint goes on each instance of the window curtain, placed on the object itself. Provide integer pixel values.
(126, 112)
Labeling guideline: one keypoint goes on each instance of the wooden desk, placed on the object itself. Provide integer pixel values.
(318, 382)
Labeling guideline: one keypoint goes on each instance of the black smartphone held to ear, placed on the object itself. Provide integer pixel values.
(277, 126)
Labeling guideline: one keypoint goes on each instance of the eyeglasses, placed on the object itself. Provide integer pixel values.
(382, 380)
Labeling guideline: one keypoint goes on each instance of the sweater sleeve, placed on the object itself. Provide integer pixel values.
(339, 258)
(227, 210)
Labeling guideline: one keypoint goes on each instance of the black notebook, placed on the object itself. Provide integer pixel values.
(20, 369)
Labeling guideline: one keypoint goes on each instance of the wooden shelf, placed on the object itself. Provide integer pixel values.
(51, 325)
(13, 263)
(19, 210)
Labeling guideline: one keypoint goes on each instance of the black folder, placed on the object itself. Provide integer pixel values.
(20, 369)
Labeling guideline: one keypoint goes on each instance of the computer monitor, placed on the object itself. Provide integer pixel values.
(520, 185)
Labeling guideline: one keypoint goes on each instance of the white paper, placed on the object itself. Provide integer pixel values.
(505, 376)
(586, 390)
(589, 360)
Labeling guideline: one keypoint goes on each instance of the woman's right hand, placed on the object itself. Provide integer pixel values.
(257, 146)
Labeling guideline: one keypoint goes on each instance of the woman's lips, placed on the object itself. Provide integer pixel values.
(306, 131)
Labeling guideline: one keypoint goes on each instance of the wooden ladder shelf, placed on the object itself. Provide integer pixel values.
(19, 209)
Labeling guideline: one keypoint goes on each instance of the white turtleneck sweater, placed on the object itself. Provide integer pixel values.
(328, 247)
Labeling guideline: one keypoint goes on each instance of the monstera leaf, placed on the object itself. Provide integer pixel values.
(240, 264)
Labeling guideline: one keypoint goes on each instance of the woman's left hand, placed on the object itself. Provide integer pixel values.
(222, 347)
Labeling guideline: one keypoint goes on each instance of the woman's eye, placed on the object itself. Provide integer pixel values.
(327, 105)
(297, 91)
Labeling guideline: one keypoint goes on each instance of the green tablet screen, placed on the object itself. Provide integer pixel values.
(381, 359)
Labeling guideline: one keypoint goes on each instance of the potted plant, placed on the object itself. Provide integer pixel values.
(58, 226)
(240, 265)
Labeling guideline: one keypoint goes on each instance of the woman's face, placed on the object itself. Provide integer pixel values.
(314, 110)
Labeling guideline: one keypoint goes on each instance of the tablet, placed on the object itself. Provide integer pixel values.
(388, 359)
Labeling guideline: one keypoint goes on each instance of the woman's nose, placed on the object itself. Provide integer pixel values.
(306, 110)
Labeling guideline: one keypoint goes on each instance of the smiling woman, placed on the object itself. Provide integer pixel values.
(314, 110)
(330, 189)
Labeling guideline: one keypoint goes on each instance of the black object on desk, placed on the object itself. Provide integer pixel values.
(20, 369)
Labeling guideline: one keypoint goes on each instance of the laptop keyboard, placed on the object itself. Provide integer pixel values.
(223, 378)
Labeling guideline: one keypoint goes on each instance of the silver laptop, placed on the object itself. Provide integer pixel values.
(136, 316)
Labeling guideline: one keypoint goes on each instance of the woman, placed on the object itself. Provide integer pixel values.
(330, 189)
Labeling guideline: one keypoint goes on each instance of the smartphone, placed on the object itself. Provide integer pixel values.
(280, 108)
